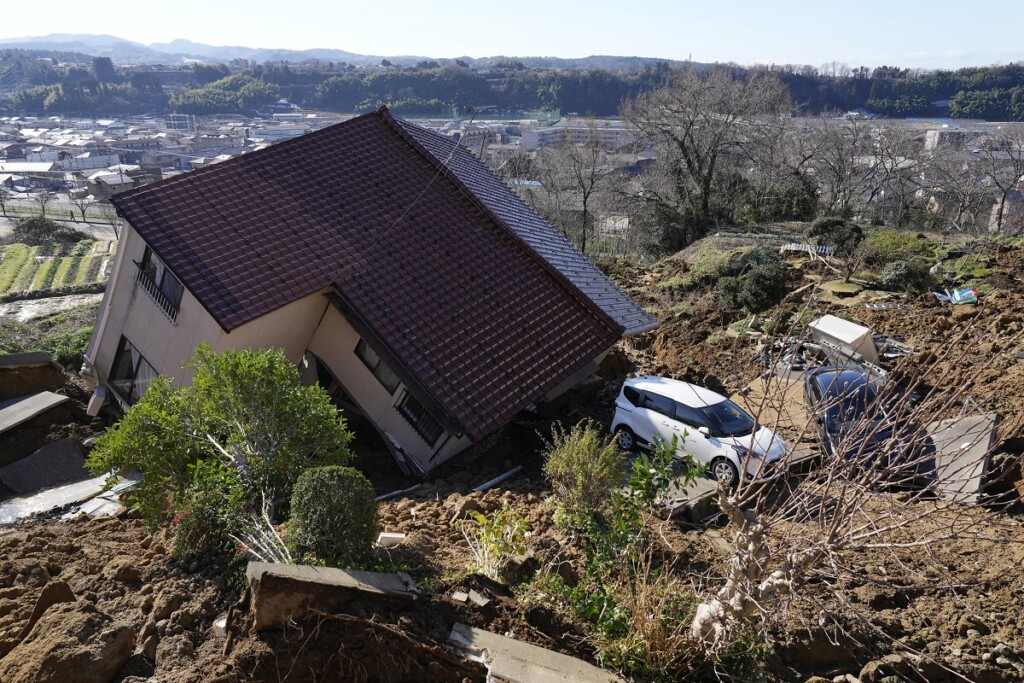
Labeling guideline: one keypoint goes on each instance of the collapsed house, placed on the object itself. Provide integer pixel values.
(387, 262)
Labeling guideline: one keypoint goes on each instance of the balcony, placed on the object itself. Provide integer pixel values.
(163, 302)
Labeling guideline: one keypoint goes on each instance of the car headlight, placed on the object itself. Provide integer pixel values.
(743, 451)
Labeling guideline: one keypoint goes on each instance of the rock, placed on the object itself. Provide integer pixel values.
(881, 669)
(817, 679)
(175, 649)
(973, 633)
(149, 647)
(53, 593)
(1003, 662)
(122, 569)
(72, 642)
(464, 506)
(519, 569)
(965, 312)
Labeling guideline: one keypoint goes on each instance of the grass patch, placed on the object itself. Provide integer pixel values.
(841, 287)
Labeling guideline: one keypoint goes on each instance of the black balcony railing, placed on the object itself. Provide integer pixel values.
(147, 283)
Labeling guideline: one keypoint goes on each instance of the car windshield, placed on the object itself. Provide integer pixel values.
(727, 419)
(856, 405)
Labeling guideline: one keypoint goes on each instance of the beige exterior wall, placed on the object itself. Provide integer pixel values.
(334, 343)
(128, 310)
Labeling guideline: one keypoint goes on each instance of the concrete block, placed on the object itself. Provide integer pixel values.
(22, 409)
(511, 661)
(280, 592)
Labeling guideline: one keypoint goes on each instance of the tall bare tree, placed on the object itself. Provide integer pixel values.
(582, 168)
(696, 121)
(43, 198)
(1002, 156)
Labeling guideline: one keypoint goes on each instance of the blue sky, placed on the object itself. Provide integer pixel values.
(935, 34)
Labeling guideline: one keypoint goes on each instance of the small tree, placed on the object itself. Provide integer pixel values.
(334, 516)
(83, 203)
(584, 467)
(842, 236)
(43, 199)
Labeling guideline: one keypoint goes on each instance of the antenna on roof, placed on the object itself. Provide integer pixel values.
(458, 141)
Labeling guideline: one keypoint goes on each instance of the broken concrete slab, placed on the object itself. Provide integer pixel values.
(280, 592)
(15, 411)
(478, 599)
(27, 373)
(44, 501)
(962, 453)
(57, 463)
(512, 661)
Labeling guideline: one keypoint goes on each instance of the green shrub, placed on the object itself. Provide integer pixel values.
(334, 516)
(584, 466)
(757, 290)
(212, 507)
(249, 407)
(39, 231)
(900, 276)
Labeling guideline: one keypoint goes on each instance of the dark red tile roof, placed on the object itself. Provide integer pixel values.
(466, 288)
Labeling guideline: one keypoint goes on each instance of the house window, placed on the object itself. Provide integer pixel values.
(159, 283)
(416, 415)
(131, 374)
(377, 366)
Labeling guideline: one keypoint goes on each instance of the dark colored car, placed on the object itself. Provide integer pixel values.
(856, 423)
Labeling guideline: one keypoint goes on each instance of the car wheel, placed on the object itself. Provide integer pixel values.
(626, 439)
(724, 472)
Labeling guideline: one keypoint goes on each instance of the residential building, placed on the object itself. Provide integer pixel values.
(392, 268)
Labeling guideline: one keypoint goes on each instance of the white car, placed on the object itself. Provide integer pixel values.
(710, 427)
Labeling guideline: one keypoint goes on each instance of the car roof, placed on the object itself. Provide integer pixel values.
(684, 392)
(836, 380)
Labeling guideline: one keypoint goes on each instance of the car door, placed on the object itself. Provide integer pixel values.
(653, 419)
(696, 444)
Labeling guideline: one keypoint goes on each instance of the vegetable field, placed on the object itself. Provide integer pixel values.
(27, 269)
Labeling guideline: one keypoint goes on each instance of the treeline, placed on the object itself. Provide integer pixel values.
(77, 89)
(515, 89)
(40, 82)
(233, 94)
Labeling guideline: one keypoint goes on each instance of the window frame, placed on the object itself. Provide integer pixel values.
(129, 393)
(378, 368)
(424, 424)
(165, 281)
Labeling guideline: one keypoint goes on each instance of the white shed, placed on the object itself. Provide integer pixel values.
(850, 337)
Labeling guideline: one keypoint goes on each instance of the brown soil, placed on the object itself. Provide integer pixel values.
(124, 582)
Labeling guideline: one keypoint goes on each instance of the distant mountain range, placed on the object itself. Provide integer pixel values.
(123, 51)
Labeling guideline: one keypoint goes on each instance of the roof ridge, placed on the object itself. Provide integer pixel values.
(445, 170)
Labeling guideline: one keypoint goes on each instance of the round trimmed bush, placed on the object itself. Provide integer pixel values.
(334, 516)
(901, 276)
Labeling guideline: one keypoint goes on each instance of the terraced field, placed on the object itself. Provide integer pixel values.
(26, 268)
